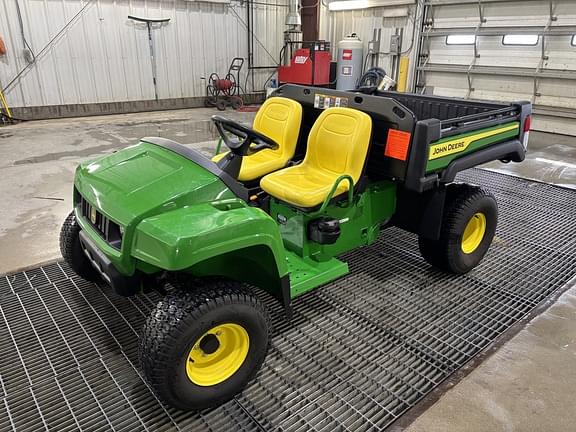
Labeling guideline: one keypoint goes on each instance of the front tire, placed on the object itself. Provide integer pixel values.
(72, 251)
(468, 227)
(199, 348)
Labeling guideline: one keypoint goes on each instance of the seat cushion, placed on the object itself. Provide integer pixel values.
(337, 145)
(258, 164)
(279, 119)
(301, 186)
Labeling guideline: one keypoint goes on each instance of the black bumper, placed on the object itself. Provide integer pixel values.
(122, 285)
(512, 150)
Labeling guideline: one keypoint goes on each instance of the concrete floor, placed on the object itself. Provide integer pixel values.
(551, 159)
(38, 159)
(526, 385)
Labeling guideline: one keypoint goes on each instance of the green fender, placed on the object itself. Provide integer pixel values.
(222, 238)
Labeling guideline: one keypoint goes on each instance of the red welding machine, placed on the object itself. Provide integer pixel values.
(308, 65)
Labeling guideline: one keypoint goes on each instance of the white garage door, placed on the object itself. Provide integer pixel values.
(503, 50)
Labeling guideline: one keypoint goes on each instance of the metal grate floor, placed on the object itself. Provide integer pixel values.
(359, 353)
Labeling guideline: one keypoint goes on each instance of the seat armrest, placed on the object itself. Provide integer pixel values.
(343, 177)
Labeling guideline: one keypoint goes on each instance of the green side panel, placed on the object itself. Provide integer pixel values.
(256, 265)
(359, 223)
(184, 237)
(307, 274)
(475, 142)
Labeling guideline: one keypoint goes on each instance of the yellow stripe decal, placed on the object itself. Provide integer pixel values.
(460, 144)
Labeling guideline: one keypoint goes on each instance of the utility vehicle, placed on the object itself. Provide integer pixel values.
(321, 172)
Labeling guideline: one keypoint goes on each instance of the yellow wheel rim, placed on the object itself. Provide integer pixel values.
(474, 233)
(217, 354)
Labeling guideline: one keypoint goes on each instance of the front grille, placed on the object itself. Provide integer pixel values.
(108, 230)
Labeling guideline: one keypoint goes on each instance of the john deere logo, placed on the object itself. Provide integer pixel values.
(451, 147)
(92, 215)
(459, 145)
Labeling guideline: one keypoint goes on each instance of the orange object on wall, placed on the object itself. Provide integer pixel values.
(2, 47)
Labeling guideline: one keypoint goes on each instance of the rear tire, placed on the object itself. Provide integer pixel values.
(72, 251)
(468, 227)
(200, 348)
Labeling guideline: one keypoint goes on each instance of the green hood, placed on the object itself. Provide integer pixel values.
(146, 179)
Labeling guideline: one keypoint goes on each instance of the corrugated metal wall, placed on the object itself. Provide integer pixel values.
(104, 57)
(334, 25)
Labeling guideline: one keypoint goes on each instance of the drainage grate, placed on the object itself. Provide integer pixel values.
(359, 353)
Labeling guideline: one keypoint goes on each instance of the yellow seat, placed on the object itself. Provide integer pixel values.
(337, 145)
(278, 118)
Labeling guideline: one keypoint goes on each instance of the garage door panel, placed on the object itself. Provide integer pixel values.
(544, 73)
(450, 54)
(556, 102)
(497, 15)
(561, 54)
(509, 57)
(491, 53)
(554, 124)
(558, 89)
(520, 87)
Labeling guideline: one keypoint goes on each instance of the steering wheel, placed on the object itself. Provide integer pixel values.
(246, 141)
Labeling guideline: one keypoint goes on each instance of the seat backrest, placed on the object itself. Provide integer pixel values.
(338, 142)
(279, 118)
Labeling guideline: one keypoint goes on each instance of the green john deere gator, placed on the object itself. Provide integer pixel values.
(321, 172)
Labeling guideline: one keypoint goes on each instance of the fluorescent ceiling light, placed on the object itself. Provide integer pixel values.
(460, 39)
(574, 40)
(520, 39)
(338, 5)
(347, 5)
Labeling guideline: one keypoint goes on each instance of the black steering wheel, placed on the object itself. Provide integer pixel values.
(245, 141)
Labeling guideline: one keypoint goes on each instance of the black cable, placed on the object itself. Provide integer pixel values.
(268, 79)
(365, 62)
(416, 18)
(26, 44)
(257, 40)
(48, 45)
(371, 78)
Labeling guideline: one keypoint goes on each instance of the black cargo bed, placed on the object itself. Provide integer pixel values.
(419, 121)
(426, 107)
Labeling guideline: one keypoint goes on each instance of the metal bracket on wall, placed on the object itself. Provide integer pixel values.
(374, 47)
(469, 80)
(543, 57)
(481, 12)
(551, 19)
(552, 10)
(423, 58)
(476, 53)
(423, 53)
